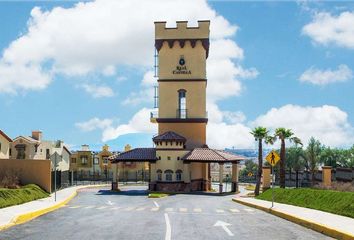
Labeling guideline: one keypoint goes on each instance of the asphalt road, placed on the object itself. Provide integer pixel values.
(100, 214)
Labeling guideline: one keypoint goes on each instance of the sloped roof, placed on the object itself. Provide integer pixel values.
(28, 139)
(5, 136)
(211, 155)
(135, 155)
(169, 136)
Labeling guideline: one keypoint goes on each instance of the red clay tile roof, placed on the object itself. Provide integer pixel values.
(169, 136)
(211, 155)
(135, 155)
(5, 136)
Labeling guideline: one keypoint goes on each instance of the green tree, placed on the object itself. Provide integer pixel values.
(312, 156)
(260, 134)
(284, 134)
(295, 161)
(250, 167)
(329, 156)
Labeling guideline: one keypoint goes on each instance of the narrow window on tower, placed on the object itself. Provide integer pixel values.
(182, 105)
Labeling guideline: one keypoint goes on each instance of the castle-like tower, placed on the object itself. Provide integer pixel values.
(182, 54)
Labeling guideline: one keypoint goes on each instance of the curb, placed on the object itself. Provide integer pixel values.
(22, 218)
(303, 222)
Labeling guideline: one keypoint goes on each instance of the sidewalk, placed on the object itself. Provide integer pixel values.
(24, 212)
(336, 226)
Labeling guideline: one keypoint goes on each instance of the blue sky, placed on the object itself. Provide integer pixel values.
(277, 49)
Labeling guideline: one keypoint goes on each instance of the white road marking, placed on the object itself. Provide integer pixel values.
(75, 207)
(115, 208)
(156, 204)
(100, 208)
(140, 209)
(168, 209)
(183, 209)
(168, 228)
(224, 226)
(249, 210)
(219, 211)
(88, 207)
(129, 209)
(197, 210)
(234, 210)
(110, 203)
(155, 209)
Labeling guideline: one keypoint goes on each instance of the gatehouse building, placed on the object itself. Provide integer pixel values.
(180, 159)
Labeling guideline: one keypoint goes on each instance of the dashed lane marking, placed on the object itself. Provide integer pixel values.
(220, 211)
(140, 209)
(155, 209)
(74, 207)
(100, 208)
(128, 209)
(183, 209)
(249, 210)
(168, 209)
(234, 210)
(197, 210)
(88, 207)
(115, 208)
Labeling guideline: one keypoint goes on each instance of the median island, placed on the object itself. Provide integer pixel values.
(341, 203)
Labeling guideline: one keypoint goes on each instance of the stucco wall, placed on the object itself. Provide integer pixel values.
(5, 146)
(29, 171)
(195, 133)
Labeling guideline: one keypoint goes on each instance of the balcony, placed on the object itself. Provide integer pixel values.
(181, 115)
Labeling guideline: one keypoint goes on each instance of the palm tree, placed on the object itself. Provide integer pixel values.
(259, 134)
(313, 152)
(284, 134)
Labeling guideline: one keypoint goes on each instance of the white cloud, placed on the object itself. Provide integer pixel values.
(140, 123)
(329, 124)
(95, 37)
(98, 91)
(327, 29)
(29, 77)
(324, 77)
(227, 129)
(93, 124)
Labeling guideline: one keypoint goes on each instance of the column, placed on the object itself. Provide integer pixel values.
(221, 173)
(186, 174)
(115, 179)
(153, 177)
(327, 176)
(234, 186)
(265, 178)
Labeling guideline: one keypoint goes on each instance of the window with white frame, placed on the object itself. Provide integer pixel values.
(84, 160)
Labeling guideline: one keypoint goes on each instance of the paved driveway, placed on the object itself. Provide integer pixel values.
(100, 214)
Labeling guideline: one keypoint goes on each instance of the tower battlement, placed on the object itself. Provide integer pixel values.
(182, 31)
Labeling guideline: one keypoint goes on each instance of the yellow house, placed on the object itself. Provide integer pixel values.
(82, 160)
(180, 160)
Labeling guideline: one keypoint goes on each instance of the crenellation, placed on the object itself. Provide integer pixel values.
(182, 31)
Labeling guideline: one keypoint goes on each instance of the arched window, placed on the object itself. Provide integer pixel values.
(159, 175)
(168, 175)
(179, 175)
(182, 104)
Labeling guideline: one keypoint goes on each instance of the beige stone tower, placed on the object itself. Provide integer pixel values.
(182, 54)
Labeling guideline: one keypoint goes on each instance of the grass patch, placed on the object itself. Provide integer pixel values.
(341, 203)
(158, 195)
(30, 192)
